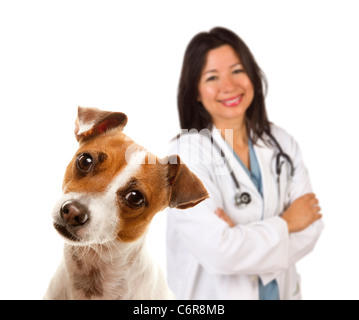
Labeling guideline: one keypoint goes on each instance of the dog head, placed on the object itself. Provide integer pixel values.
(113, 187)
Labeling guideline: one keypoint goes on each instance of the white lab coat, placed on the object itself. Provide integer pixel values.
(207, 259)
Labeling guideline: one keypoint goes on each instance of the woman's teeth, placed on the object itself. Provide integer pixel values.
(232, 102)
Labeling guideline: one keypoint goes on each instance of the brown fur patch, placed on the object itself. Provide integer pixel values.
(108, 151)
(99, 120)
(75, 258)
(90, 283)
(151, 181)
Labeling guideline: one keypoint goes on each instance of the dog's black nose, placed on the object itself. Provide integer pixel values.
(73, 213)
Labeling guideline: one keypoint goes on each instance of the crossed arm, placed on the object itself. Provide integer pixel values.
(300, 214)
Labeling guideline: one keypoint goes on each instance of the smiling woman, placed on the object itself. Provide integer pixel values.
(223, 249)
(225, 90)
(230, 63)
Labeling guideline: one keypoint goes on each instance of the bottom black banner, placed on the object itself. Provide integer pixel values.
(182, 309)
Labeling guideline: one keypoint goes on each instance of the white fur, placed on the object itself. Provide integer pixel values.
(134, 161)
(127, 272)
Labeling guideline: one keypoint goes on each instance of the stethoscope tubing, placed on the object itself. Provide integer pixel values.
(244, 198)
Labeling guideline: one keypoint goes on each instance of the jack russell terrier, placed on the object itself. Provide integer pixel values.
(111, 190)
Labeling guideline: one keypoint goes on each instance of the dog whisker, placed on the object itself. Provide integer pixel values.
(108, 246)
(94, 254)
(86, 250)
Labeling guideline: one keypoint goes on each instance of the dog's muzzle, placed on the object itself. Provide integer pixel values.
(73, 215)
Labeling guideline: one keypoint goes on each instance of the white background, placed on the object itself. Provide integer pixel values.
(127, 56)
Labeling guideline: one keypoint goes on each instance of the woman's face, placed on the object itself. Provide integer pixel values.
(225, 89)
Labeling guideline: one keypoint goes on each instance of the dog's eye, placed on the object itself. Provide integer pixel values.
(135, 198)
(85, 162)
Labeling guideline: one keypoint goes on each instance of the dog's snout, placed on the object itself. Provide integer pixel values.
(73, 213)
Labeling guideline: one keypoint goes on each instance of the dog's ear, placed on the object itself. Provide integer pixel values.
(186, 189)
(91, 122)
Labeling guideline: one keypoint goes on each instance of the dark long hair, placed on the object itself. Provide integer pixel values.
(192, 113)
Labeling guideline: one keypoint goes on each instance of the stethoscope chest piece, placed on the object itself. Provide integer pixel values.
(242, 198)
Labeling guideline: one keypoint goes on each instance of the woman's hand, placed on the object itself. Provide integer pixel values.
(302, 213)
(222, 215)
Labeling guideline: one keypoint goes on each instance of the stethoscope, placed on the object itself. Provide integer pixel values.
(244, 198)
